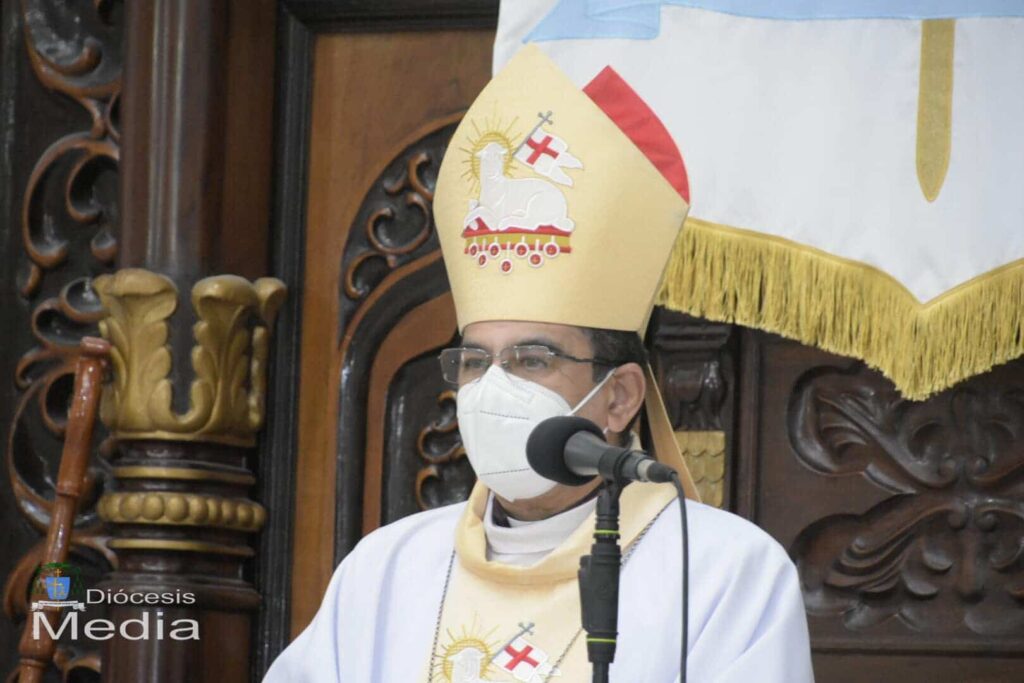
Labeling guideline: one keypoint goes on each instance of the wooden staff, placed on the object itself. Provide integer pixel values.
(37, 653)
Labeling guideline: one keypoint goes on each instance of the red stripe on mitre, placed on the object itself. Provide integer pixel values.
(631, 114)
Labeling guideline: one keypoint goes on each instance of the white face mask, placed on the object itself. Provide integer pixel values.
(496, 415)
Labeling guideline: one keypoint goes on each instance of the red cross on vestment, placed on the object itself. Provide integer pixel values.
(540, 148)
(520, 656)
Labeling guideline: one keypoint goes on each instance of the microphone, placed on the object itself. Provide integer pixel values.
(571, 450)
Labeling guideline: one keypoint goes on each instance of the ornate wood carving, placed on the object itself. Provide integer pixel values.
(440, 448)
(942, 552)
(66, 118)
(180, 514)
(395, 224)
(425, 462)
(694, 362)
(705, 457)
(903, 517)
(69, 59)
(227, 396)
(695, 370)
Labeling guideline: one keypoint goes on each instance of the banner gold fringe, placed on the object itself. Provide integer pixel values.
(733, 275)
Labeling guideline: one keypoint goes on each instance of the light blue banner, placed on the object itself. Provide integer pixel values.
(641, 19)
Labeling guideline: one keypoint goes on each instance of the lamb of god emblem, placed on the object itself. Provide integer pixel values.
(518, 218)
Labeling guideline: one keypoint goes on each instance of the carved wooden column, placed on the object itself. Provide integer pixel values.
(694, 361)
(187, 394)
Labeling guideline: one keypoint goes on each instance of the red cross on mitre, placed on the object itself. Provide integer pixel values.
(519, 657)
(542, 147)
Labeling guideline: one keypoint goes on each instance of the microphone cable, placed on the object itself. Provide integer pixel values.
(685, 542)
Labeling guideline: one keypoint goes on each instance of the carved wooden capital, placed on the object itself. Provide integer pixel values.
(227, 394)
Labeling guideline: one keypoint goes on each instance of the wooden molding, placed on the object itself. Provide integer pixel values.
(354, 15)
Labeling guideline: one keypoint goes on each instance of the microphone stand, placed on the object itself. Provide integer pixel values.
(599, 583)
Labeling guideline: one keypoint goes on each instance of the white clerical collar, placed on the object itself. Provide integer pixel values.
(524, 543)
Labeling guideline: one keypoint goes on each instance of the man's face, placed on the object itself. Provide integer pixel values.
(572, 380)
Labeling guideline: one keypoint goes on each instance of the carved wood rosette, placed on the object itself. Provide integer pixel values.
(179, 510)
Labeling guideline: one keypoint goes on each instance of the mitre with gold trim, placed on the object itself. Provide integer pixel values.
(560, 205)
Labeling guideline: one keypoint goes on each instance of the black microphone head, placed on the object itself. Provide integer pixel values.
(545, 449)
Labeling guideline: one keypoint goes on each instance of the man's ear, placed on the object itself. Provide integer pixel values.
(628, 386)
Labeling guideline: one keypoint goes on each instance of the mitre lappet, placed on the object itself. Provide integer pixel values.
(560, 205)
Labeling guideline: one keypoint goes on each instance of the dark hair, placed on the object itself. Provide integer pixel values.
(617, 347)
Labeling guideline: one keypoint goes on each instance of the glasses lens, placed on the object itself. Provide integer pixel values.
(530, 362)
(462, 366)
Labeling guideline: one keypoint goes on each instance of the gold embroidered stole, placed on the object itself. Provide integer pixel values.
(503, 622)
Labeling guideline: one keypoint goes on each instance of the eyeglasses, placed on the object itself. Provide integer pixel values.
(460, 366)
